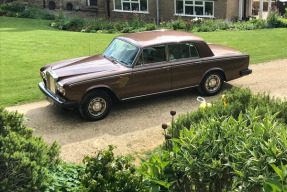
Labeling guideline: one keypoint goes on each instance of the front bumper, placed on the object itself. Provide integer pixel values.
(56, 100)
(245, 72)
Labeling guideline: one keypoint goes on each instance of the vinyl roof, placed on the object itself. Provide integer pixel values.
(158, 37)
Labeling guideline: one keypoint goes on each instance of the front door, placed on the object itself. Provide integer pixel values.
(152, 73)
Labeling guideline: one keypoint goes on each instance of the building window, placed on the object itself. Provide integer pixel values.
(194, 8)
(131, 5)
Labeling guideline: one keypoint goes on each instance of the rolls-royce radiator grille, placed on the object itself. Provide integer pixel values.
(51, 83)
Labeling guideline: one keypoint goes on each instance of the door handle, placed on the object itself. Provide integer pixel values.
(168, 67)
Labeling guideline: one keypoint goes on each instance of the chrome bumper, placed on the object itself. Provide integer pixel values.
(56, 100)
(245, 72)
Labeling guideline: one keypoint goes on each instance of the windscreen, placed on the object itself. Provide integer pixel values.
(122, 52)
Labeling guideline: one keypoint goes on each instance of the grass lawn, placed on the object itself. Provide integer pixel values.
(28, 44)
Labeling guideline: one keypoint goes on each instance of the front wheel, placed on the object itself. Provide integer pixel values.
(211, 83)
(96, 105)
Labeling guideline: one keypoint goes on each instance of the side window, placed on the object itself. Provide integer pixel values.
(140, 60)
(181, 51)
(154, 54)
(193, 51)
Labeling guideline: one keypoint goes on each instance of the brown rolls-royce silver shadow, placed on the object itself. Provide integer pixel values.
(141, 64)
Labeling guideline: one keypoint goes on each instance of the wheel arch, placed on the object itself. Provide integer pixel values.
(218, 70)
(107, 89)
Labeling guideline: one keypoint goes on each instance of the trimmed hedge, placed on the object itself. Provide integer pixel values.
(25, 160)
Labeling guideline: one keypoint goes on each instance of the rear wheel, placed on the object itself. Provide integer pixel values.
(211, 83)
(96, 105)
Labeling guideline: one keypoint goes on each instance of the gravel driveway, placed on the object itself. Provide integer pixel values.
(135, 126)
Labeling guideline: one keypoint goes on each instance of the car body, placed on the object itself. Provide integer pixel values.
(141, 64)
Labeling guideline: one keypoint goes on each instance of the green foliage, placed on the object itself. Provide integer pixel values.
(108, 173)
(158, 171)
(285, 14)
(150, 27)
(74, 24)
(17, 9)
(273, 18)
(208, 25)
(229, 154)
(279, 180)
(177, 24)
(24, 159)
(229, 146)
(137, 22)
(282, 22)
(36, 13)
(67, 177)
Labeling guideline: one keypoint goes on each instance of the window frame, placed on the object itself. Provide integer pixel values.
(154, 63)
(183, 59)
(194, 5)
(131, 1)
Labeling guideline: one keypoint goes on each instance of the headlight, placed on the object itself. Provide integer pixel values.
(60, 89)
(43, 75)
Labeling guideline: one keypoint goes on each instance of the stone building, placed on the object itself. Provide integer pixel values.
(155, 10)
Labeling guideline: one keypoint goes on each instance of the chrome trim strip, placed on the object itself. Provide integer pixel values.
(94, 79)
(151, 69)
(128, 98)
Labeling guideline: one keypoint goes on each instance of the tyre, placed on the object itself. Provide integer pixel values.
(211, 84)
(96, 105)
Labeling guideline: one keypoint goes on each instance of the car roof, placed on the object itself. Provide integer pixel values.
(158, 37)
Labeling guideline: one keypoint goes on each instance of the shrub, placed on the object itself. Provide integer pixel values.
(24, 159)
(60, 21)
(229, 146)
(273, 18)
(178, 24)
(150, 27)
(127, 30)
(188, 26)
(74, 24)
(36, 13)
(244, 25)
(259, 23)
(67, 177)
(15, 7)
(285, 14)
(136, 22)
(226, 147)
(108, 173)
(228, 154)
(282, 22)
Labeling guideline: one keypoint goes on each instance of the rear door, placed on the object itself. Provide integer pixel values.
(186, 65)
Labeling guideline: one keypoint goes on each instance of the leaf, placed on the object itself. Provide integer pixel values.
(276, 185)
(267, 188)
(278, 171)
(239, 173)
(155, 188)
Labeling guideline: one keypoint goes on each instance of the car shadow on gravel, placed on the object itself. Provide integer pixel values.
(129, 116)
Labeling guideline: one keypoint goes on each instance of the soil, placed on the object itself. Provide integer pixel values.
(135, 126)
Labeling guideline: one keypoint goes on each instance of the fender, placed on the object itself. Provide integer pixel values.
(214, 69)
(100, 86)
